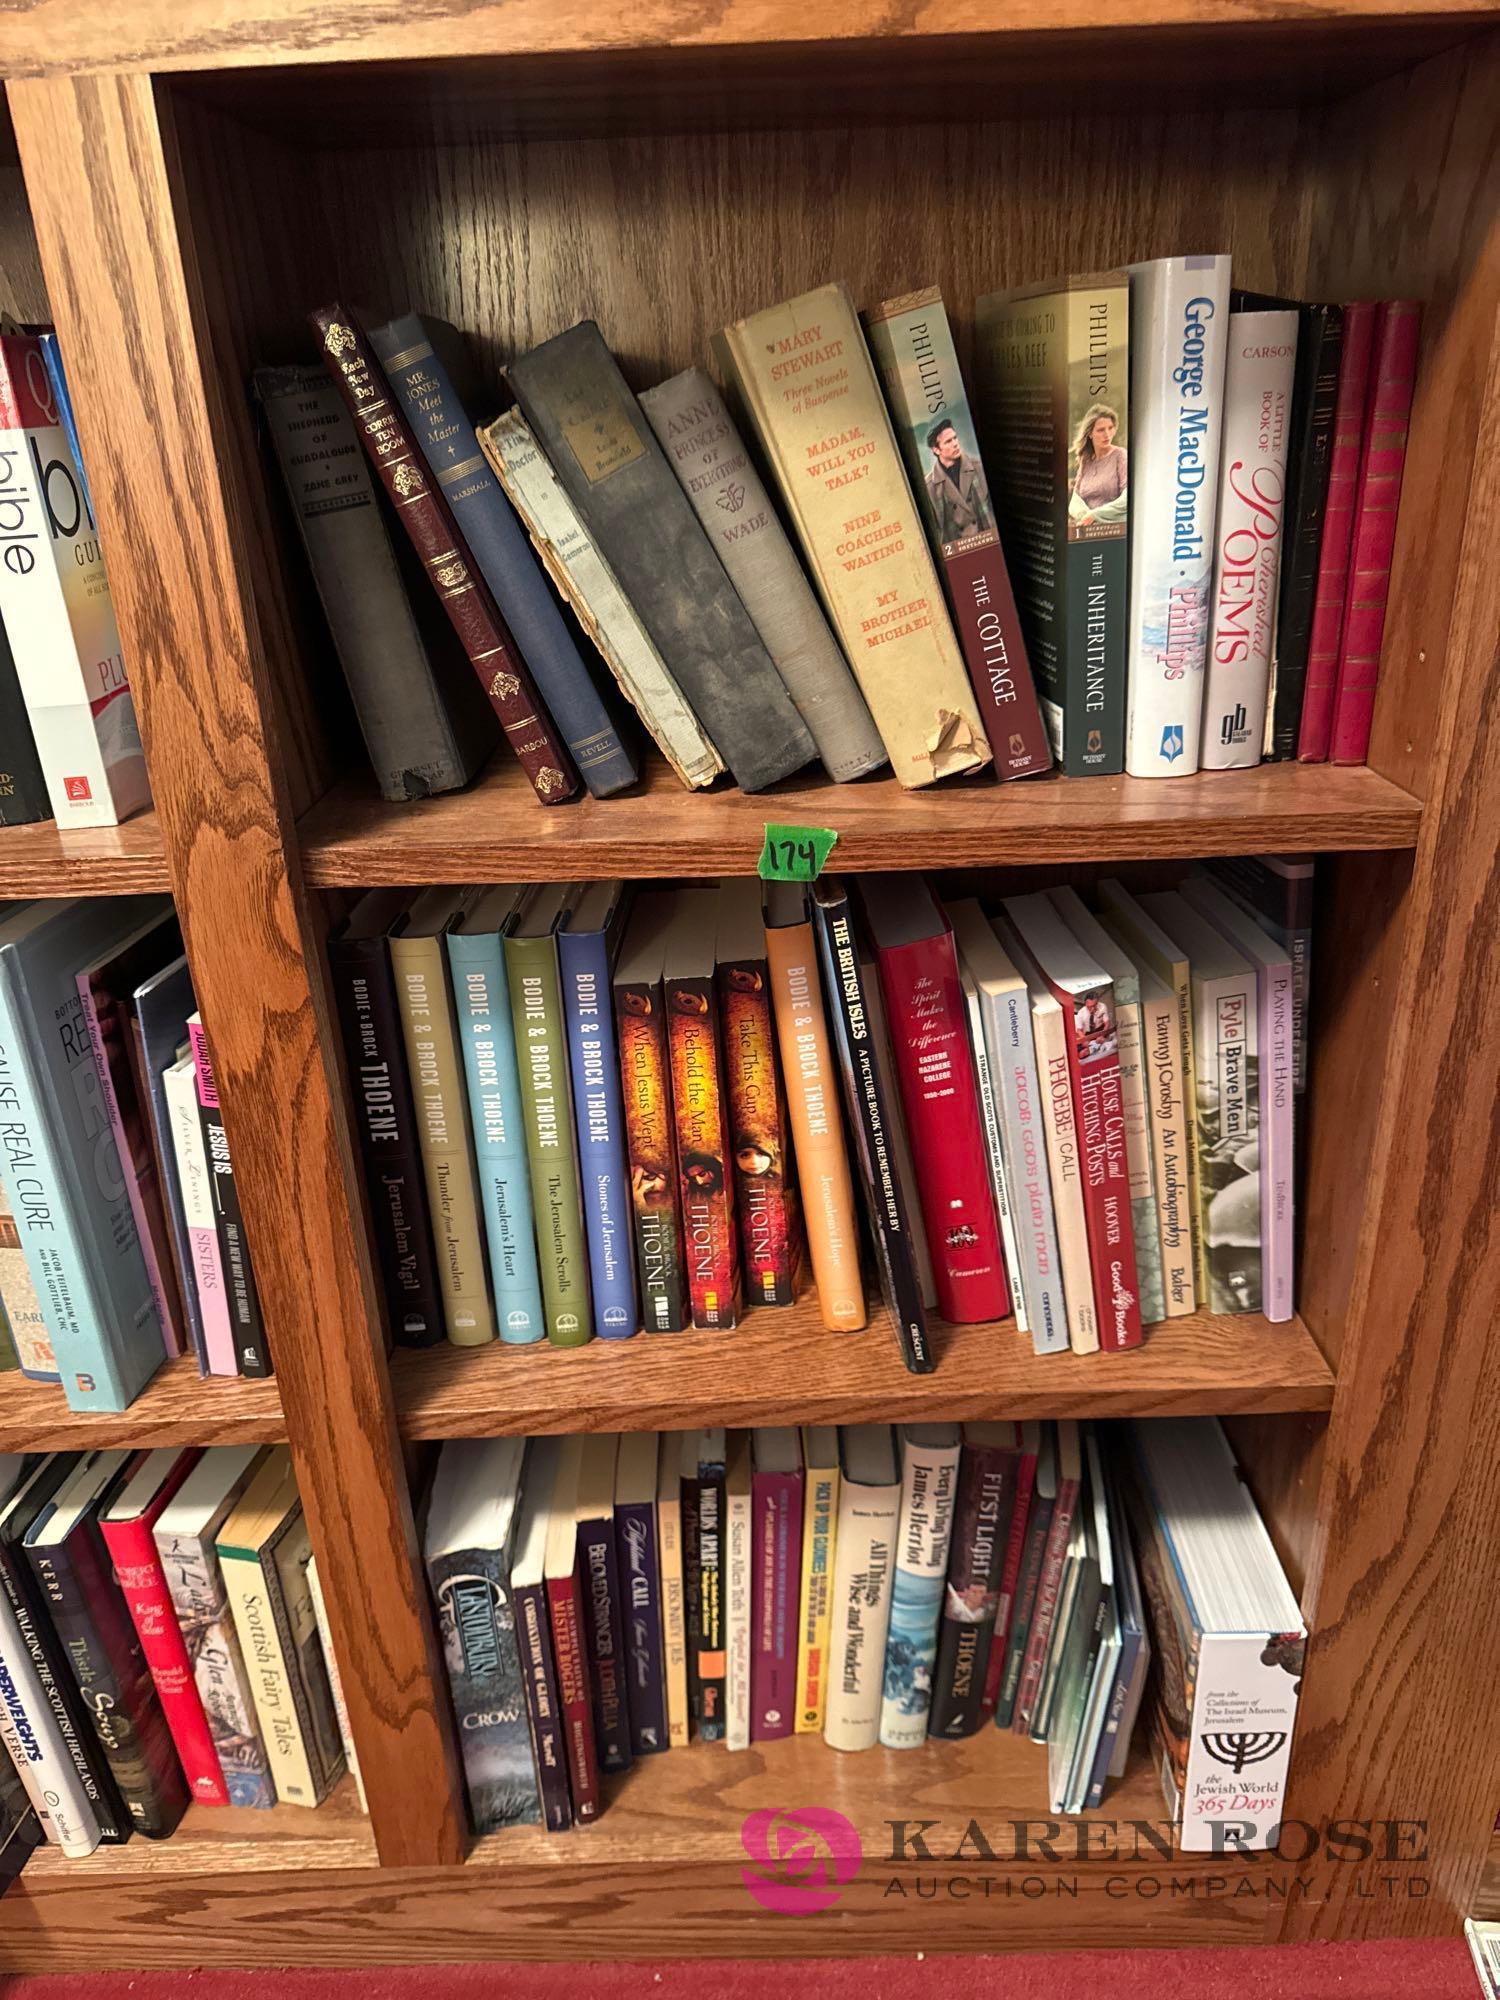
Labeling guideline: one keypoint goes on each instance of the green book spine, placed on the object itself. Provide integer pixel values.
(547, 1111)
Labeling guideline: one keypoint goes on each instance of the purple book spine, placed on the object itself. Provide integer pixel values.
(604, 1636)
(776, 1559)
(639, 1565)
(543, 1712)
(1276, 1042)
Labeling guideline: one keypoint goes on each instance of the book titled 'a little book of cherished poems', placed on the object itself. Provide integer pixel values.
(804, 374)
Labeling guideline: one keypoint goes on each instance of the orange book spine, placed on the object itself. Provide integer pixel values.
(817, 1132)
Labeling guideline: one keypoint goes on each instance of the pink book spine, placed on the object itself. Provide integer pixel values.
(776, 1577)
(1048, 1585)
(1274, 1083)
(1349, 413)
(139, 1573)
(1383, 461)
(203, 1235)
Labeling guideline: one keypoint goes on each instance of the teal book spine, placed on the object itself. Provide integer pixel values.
(482, 1000)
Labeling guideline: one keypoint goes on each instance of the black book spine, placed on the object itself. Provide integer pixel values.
(543, 1708)
(365, 997)
(638, 1561)
(23, 790)
(103, 1652)
(239, 1279)
(712, 1642)
(604, 1638)
(869, 1121)
(1037, 1530)
(1314, 392)
(971, 1597)
(692, 1607)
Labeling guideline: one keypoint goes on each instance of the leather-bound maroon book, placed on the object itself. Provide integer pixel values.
(1393, 374)
(428, 520)
(930, 1034)
(1323, 645)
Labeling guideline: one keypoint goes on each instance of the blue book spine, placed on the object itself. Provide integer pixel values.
(599, 1114)
(52, 355)
(501, 550)
(482, 999)
(476, 1614)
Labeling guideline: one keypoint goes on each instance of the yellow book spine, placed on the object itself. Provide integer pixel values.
(673, 1606)
(820, 1505)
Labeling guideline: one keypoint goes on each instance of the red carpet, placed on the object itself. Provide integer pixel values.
(1304, 1972)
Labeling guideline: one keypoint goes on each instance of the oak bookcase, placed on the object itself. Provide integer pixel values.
(177, 185)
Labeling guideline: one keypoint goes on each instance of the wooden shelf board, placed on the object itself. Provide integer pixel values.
(496, 830)
(177, 1407)
(782, 1366)
(40, 860)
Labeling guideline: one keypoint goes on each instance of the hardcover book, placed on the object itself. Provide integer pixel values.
(803, 373)
(23, 789)
(533, 1622)
(536, 1011)
(1030, 1531)
(863, 1572)
(240, 1294)
(565, 1607)
(424, 513)
(704, 1162)
(23, 1310)
(589, 586)
(426, 724)
(704, 449)
(385, 1117)
(638, 1561)
(606, 456)
(706, 1451)
(820, 1511)
(1331, 589)
(989, 1119)
(812, 1105)
(468, 1541)
(487, 1040)
(776, 1576)
(1179, 317)
(738, 1588)
(912, 346)
(929, 1489)
(1258, 381)
(669, 1529)
(423, 359)
(180, 1089)
(1027, 1438)
(56, 607)
(155, 1027)
(1277, 890)
(603, 1619)
(1052, 376)
(884, 1058)
(588, 943)
(983, 1506)
(1054, 1557)
(646, 1089)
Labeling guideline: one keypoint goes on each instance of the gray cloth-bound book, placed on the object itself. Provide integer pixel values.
(708, 455)
(614, 471)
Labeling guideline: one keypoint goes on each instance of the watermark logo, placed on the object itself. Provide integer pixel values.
(803, 1860)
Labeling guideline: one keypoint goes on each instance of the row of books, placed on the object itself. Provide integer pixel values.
(121, 1236)
(580, 1114)
(1155, 436)
(606, 1598)
(162, 1640)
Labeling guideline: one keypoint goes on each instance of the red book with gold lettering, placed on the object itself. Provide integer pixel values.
(930, 1036)
(565, 1608)
(1392, 377)
(700, 1111)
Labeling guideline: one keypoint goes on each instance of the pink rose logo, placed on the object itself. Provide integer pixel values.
(803, 1860)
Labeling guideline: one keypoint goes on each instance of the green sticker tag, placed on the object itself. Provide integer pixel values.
(795, 853)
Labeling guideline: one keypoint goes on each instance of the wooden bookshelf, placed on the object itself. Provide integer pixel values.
(784, 1367)
(177, 192)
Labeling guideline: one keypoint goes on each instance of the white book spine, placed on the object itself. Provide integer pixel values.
(737, 1606)
(1179, 314)
(1239, 1741)
(864, 1567)
(1247, 563)
(929, 1487)
(1061, 1128)
(1224, 1043)
(46, 1769)
(995, 1148)
(1018, 1101)
(335, 1684)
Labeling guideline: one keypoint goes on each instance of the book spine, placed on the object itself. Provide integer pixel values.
(711, 1661)
(815, 1604)
(150, 1097)
(599, 1115)
(565, 1607)
(864, 1563)
(1099, 1107)
(1179, 325)
(57, 375)
(536, 1010)
(705, 451)
(23, 789)
(925, 1008)
(477, 1621)
(1326, 636)
(450, 450)
(181, 1086)
(1140, 1177)
(1274, 1042)
(1044, 1609)
(817, 1134)
(638, 1564)
(1166, 1069)
(138, 1571)
(765, 1186)
(486, 1037)
(692, 1610)
(588, 584)
(869, 1125)
(428, 520)
(981, 1527)
(703, 1157)
(669, 1529)
(1320, 341)
(335, 1683)
(423, 1001)
(994, 1151)
(63, 1806)
(263, 1644)
(1228, 1121)
(195, 1583)
(646, 1091)
(1010, 1581)
(1248, 535)
(1393, 375)
(1025, 1143)
(1038, 1529)
(911, 344)
(776, 1498)
(23, 1309)
(307, 1671)
(385, 1121)
(1065, 1160)
(604, 1638)
(929, 1488)
(234, 1251)
(543, 1706)
(739, 1601)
